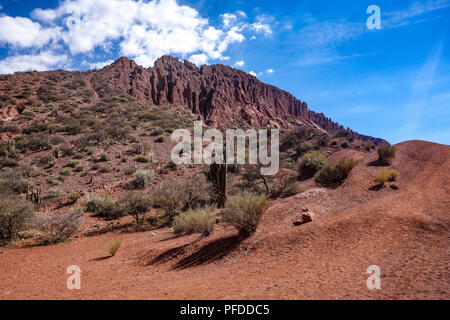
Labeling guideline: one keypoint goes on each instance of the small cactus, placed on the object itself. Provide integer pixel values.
(56, 153)
(34, 196)
(218, 176)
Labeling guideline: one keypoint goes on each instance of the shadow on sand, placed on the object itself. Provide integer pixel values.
(210, 252)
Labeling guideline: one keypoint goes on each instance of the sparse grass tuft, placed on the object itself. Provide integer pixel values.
(112, 246)
(386, 175)
(195, 221)
(244, 212)
(386, 152)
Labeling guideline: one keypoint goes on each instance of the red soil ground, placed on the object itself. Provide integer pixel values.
(405, 232)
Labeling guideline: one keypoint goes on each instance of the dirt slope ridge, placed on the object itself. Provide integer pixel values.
(405, 232)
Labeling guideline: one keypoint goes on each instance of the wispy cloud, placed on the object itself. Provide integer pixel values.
(406, 16)
(420, 87)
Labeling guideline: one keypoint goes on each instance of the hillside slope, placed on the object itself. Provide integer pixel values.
(218, 94)
(405, 232)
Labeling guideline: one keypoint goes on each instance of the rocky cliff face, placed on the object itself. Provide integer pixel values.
(218, 94)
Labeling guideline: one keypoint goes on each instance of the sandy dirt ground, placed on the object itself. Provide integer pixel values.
(405, 232)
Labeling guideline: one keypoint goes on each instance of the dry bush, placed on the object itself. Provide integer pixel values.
(142, 159)
(59, 227)
(16, 215)
(386, 152)
(135, 204)
(73, 197)
(334, 174)
(167, 196)
(386, 175)
(244, 212)
(196, 192)
(143, 178)
(311, 163)
(284, 187)
(112, 246)
(195, 221)
(106, 208)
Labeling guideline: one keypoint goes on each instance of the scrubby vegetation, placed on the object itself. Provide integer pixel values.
(195, 221)
(333, 174)
(244, 212)
(143, 179)
(386, 153)
(135, 204)
(386, 175)
(16, 215)
(311, 163)
(59, 227)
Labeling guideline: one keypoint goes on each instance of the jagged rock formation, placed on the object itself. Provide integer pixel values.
(219, 94)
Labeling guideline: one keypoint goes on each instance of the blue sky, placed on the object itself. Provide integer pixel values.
(392, 83)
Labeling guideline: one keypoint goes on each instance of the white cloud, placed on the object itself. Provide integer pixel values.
(253, 73)
(402, 17)
(144, 30)
(269, 71)
(98, 65)
(262, 25)
(40, 62)
(199, 59)
(24, 33)
(330, 33)
(140, 30)
(228, 19)
(240, 63)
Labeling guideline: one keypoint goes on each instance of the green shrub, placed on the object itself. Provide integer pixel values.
(136, 205)
(195, 221)
(386, 152)
(71, 164)
(65, 172)
(103, 158)
(142, 159)
(59, 227)
(102, 207)
(16, 215)
(6, 162)
(73, 197)
(142, 179)
(130, 170)
(244, 212)
(46, 162)
(104, 169)
(334, 174)
(386, 175)
(167, 196)
(54, 194)
(311, 163)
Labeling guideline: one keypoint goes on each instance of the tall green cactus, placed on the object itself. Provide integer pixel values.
(218, 176)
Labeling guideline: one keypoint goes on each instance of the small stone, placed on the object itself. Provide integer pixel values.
(308, 217)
